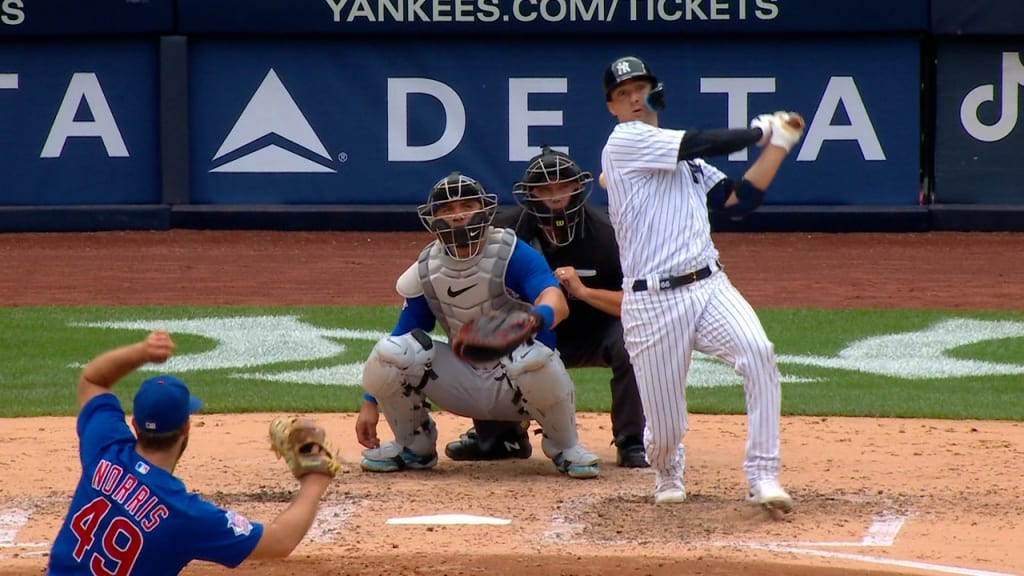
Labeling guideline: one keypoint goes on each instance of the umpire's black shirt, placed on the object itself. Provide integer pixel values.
(593, 247)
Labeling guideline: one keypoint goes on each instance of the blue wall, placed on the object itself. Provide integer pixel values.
(203, 106)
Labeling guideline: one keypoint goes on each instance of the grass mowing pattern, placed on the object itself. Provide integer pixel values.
(41, 349)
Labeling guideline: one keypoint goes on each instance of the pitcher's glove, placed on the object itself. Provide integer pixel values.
(488, 337)
(303, 445)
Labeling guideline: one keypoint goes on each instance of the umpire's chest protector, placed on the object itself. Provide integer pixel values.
(459, 290)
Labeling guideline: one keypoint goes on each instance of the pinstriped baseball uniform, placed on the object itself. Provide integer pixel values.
(658, 207)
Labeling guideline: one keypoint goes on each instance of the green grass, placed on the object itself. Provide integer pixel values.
(42, 349)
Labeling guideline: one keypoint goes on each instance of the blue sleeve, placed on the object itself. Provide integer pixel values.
(101, 422)
(528, 274)
(220, 535)
(415, 314)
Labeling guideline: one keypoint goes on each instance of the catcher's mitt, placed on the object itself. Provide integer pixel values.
(303, 445)
(495, 334)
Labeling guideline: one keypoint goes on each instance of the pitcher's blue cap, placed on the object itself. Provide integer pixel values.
(163, 404)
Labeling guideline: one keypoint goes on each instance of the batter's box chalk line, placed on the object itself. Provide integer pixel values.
(12, 519)
(331, 519)
(869, 559)
(561, 529)
(881, 533)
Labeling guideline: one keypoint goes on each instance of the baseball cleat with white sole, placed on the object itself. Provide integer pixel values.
(392, 457)
(671, 494)
(668, 488)
(770, 495)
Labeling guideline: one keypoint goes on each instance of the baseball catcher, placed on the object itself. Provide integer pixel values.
(578, 242)
(497, 300)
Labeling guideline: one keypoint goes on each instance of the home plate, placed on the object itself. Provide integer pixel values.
(451, 519)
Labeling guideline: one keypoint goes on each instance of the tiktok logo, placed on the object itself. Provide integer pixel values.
(1013, 76)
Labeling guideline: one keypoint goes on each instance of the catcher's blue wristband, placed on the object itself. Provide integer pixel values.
(369, 398)
(547, 313)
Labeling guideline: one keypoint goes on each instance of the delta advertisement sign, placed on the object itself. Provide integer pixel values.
(352, 123)
(79, 125)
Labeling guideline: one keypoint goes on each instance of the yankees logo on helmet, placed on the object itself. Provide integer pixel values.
(630, 68)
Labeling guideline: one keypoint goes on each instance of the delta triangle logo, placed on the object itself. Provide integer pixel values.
(272, 136)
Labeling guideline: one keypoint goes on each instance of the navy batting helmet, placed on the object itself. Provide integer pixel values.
(628, 68)
(449, 189)
(559, 214)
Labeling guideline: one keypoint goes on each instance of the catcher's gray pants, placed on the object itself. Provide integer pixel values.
(602, 346)
(404, 372)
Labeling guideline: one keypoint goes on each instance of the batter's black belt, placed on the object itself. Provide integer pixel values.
(669, 282)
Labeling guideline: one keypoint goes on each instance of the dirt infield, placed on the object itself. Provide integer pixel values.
(899, 496)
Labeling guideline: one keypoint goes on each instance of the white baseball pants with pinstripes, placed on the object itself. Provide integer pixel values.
(662, 328)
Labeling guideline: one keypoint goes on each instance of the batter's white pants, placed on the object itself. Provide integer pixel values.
(662, 328)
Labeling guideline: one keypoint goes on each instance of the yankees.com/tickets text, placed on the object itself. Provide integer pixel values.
(550, 10)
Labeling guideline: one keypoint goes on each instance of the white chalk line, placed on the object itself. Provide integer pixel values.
(25, 545)
(883, 529)
(561, 529)
(880, 534)
(448, 520)
(329, 520)
(40, 553)
(12, 520)
(942, 568)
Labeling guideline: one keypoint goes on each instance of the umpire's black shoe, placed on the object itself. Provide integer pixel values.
(631, 454)
(467, 448)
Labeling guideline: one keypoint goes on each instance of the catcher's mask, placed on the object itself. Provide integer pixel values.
(469, 227)
(558, 211)
(627, 68)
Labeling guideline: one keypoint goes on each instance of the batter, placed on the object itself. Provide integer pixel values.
(676, 296)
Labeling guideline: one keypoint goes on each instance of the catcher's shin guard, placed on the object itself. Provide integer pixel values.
(396, 372)
(548, 397)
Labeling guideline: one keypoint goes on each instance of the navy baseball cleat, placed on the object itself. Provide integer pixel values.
(630, 453)
(468, 447)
